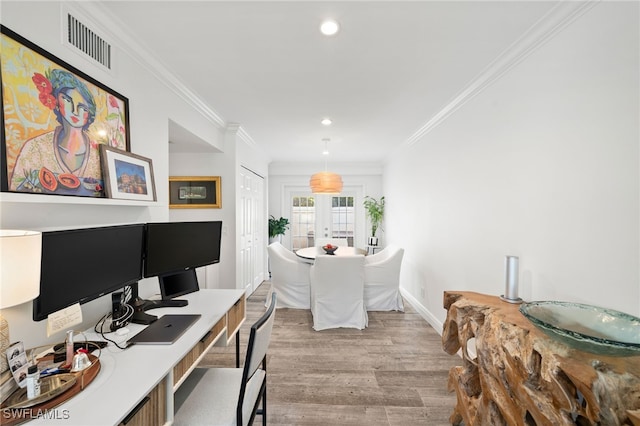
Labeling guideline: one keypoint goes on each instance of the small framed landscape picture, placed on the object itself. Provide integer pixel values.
(193, 192)
(127, 176)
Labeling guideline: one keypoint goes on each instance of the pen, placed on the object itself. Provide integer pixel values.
(52, 371)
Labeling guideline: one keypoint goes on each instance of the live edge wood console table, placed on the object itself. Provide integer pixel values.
(521, 376)
(136, 386)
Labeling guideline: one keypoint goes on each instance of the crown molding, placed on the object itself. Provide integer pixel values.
(127, 42)
(547, 27)
(232, 128)
(237, 130)
(244, 136)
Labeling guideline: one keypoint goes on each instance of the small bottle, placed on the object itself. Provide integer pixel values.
(70, 351)
(33, 382)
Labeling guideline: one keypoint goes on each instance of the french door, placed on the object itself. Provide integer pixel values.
(322, 216)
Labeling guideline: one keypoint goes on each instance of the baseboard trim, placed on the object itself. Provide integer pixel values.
(434, 322)
(423, 311)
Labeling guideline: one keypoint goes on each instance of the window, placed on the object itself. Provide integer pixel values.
(342, 218)
(303, 221)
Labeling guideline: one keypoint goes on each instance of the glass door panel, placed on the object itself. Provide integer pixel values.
(325, 216)
(343, 218)
(303, 221)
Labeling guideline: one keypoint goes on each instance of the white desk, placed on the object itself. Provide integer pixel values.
(127, 377)
(310, 253)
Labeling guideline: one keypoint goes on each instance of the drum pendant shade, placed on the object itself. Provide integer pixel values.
(326, 183)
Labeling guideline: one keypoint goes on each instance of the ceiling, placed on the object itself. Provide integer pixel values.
(266, 66)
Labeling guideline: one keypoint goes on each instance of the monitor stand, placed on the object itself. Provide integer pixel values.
(138, 305)
(171, 303)
(141, 305)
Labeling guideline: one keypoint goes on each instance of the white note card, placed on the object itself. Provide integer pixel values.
(63, 319)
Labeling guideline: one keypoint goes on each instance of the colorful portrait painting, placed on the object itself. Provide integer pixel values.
(54, 120)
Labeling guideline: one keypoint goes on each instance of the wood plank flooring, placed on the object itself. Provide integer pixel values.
(392, 373)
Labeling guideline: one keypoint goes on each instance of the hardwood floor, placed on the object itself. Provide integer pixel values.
(392, 373)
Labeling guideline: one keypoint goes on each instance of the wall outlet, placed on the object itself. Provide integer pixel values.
(422, 292)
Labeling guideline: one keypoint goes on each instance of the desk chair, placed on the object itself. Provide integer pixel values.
(230, 396)
(337, 292)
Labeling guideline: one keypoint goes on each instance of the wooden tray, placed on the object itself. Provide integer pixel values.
(10, 416)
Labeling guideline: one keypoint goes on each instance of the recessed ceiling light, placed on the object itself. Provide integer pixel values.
(326, 121)
(329, 27)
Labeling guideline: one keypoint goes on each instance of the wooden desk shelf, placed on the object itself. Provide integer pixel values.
(152, 409)
(190, 360)
(136, 386)
(521, 376)
(235, 318)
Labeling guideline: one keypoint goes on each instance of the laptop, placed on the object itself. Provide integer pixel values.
(165, 330)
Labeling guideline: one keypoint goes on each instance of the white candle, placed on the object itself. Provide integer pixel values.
(511, 277)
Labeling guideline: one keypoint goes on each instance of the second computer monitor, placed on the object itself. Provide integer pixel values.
(179, 284)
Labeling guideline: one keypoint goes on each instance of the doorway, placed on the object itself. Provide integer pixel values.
(252, 229)
(324, 216)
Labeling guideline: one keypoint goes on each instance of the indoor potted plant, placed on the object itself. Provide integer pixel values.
(277, 227)
(375, 213)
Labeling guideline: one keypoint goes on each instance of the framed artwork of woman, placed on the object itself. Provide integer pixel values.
(54, 120)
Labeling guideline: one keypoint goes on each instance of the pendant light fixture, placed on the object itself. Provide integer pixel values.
(326, 182)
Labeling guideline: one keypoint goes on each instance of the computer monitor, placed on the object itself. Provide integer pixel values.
(80, 265)
(172, 247)
(176, 285)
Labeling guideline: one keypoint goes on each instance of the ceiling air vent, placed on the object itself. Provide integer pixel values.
(85, 39)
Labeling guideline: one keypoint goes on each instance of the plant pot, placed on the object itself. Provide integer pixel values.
(277, 238)
(373, 241)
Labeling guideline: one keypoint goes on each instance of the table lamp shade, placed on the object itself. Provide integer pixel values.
(19, 266)
(20, 253)
(326, 183)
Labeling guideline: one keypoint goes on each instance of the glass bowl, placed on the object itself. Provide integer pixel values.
(586, 327)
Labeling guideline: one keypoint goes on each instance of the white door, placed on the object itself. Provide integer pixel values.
(252, 229)
(302, 219)
(323, 216)
(336, 216)
(259, 231)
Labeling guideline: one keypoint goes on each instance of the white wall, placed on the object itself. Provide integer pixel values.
(237, 152)
(204, 164)
(153, 108)
(544, 165)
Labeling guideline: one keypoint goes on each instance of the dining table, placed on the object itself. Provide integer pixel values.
(310, 253)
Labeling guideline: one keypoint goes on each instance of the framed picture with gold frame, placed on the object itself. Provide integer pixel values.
(195, 192)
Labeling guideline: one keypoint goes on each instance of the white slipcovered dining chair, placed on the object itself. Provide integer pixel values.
(229, 396)
(338, 242)
(337, 292)
(382, 280)
(289, 277)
